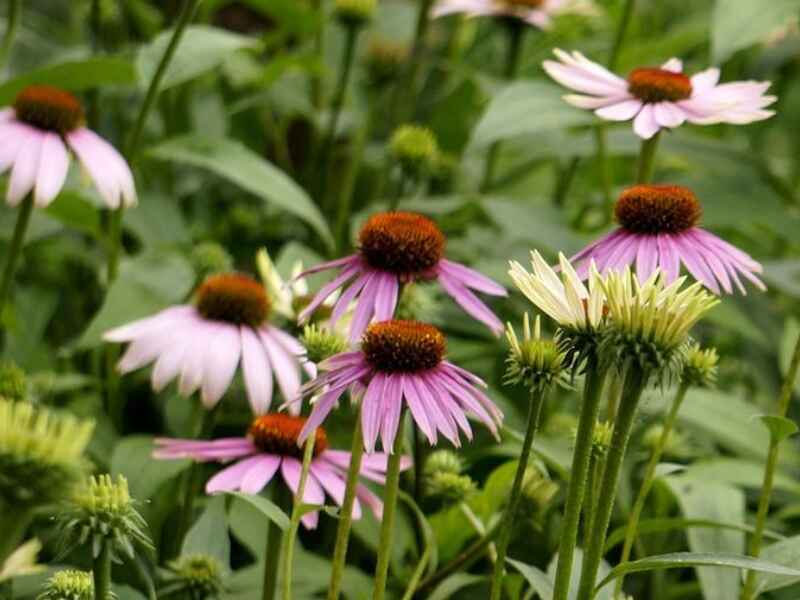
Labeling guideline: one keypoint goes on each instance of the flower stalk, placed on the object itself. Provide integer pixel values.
(272, 554)
(297, 513)
(748, 593)
(101, 572)
(534, 412)
(15, 250)
(647, 159)
(12, 25)
(389, 510)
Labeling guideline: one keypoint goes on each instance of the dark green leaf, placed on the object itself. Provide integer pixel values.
(780, 428)
(266, 507)
(132, 458)
(209, 534)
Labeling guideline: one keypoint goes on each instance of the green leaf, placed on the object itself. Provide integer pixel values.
(450, 586)
(146, 284)
(525, 108)
(791, 333)
(737, 24)
(681, 560)
(787, 553)
(780, 428)
(132, 457)
(266, 507)
(537, 579)
(209, 534)
(201, 49)
(738, 472)
(74, 211)
(575, 575)
(234, 161)
(75, 76)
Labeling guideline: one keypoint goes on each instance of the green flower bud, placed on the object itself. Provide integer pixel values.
(601, 437)
(417, 304)
(13, 382)
(415, 148)
(321, 343)
(700, 368)
(384, 60)
(354, 13)
(197, 575)
(443, 481)
(41, 453)
(209, 258)
(533, 361)
(103, 511)
(69, 584)
(538, 492)
(443, 461)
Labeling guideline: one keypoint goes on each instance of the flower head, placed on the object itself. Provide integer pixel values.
(35, 135)
(396, 248)
(69, 584)
(201, 344)
(538, 13)
(700, 366)
(41, 453)
(104, 512)
(658, 228)
(415, 148)
(534, 361)
(273, 442)
(659, 97)
(321, 343)
(385, 59)
(354, 13)
(402, 363)
(196, 575)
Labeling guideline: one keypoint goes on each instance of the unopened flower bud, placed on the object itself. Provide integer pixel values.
(69, 584)
(198, 575)
(443, 461)
(321, 343)
(700, 368)
(532, 361)
(13, 382)
(210, 258)
(443, 481)
(538, 490)
(384, 61)
(601, 437)
(354, 13)
(415, 148)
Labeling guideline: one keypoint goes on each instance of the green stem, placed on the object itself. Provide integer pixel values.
(101, 571)
(769, 471)
(15, 250)
(516, 31)
(622, 30)
(272, 553)
(649, 479)
(479, 527)
(346, 513)
(346, 68)
(317, 87)
(601, 146)
(566, 175)
(534, 410)
(647, 157)
(344, 206)
(635, 381)
(391, 488)
(590, 497)
(592, 392)
(12, 25)
(297, 514)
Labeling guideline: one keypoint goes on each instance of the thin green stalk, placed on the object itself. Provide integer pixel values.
(12, 25)
(534, 410)
(346, 514)
(516, 32)
(479, 527)
(592, 392)
(590, 497)
(635, 381)
(317, 87)
(566, 175)
(272, 553)
(622, 30)
(769, 472)
(649, 479)
(601, 146)
(647, 159)
(297, 514)
(346, 68)
(391, 488)
(345, 204)
(15, 251)
(101, 571)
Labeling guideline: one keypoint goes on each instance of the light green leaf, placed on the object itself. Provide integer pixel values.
(739, 472)
(537, 579)
(201, 49)
(209, 534)
(737, 24)
(575, 575)
(449, 587)
(525, 108)
(234, 161)
(132, 457)
(266, 507)
(681, 560)
(75, 76)
(780, 428)
(791, 333)
(75, 212)
(787, 553)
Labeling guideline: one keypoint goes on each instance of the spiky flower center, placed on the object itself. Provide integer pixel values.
(651, 84)
(278, 433)
(403, 346)
(531, 4)
(49, 108)
(401, 242)
(654, 209)
(233, 298)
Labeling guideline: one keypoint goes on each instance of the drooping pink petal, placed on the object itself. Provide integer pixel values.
(191, 376)
(366, 496)
(26, 167)
(230, 478)
(333, 484)
(471, 303)
(343, 303)
(371, 410)
(313, 494)
(417, 409)
(257, 371)
(668, 114)
(645, 125)
(322, 407)
(53, 167)
(471, 278)
(365, 308)
(108, 170)
(623, 110)
(139, 327)
(285, 366)
(260, 473)
(348, 272)
(386, 296)
(391, 411)
(221, 361)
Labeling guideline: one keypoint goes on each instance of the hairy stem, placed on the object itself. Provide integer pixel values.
(272, 553)
(297, 514)
(101, 571)
(15, 251)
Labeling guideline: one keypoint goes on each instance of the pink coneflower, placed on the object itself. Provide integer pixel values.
(538, 13)
(395, 248)
(658, 228)
(201, 344)
(271, 444)
(659, 97)
(34, 136)
(403, 361)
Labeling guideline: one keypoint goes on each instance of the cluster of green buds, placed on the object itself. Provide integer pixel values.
(209, 258)
(538, 492)
(41, 453)
(69, 584)
(197, 576)
(354, 13)
(384, 60)
(101, 513)
(700, 367)
(415, 149)
(533, 361)
(443, 478)
(13, 382)
(601, 438)
(321, 343)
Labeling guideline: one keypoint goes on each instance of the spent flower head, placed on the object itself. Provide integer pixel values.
(533, 361)
(415, 148)
(69, 584)
(354, 13)
(104, 512)
(700, 367)
(41, 453)
(196, 575)
(321, 343)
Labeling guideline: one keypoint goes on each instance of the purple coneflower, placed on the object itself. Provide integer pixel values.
(659, 97)
(403, 361)
(658, 229)
(271, 444)
(395, 248)
(538, 13)
(201, 344)
(34, 136)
